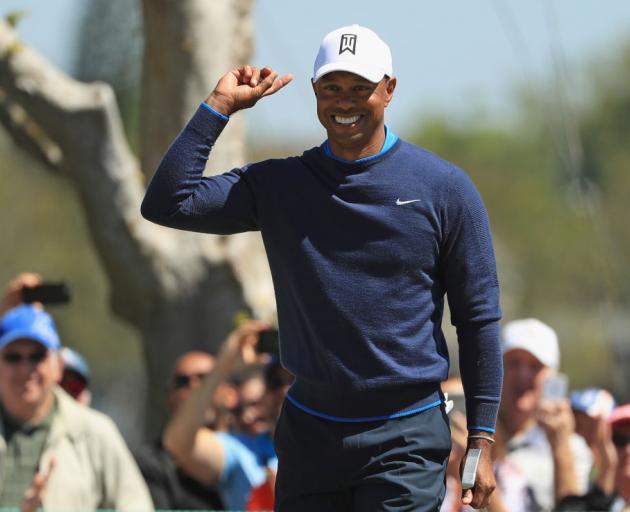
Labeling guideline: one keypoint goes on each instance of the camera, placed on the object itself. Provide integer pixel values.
(47, 293)
(555, 387)
(268, 342)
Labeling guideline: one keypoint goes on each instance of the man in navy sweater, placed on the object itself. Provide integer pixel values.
(364, 234)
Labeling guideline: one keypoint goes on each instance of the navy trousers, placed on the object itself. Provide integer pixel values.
(396, 464)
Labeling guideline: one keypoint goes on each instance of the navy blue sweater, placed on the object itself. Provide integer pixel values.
(361, 254)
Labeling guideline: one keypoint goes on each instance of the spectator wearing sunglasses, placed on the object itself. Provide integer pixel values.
(55, 452)
(170, 487)
(241, 463)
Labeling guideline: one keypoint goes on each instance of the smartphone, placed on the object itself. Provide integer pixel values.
(555, 387)
(47, 293)
(268, 342)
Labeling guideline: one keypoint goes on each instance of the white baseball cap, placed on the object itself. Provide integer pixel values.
(355, 49)
(535, 337)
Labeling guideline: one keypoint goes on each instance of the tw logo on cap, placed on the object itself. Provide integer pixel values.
(348, 43)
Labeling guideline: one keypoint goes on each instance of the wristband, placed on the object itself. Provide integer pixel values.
(479, 436)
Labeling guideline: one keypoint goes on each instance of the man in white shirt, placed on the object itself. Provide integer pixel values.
(530, 356)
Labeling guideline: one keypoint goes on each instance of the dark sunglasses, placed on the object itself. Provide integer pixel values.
(15, 358)
(181, 381)
(620, 440)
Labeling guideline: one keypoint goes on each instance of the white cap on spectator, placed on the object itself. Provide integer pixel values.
(535, 337)
(354, 49)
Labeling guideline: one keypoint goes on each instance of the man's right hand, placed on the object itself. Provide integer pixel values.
(239, 349)
(34, 495)
(243, 87)
(12, 295)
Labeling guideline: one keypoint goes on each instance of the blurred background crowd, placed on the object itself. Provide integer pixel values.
(553, 450)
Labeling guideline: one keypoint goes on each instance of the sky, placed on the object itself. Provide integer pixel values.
(451, 56)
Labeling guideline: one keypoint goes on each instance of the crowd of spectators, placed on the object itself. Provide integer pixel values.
(553, 450)
(54, 451)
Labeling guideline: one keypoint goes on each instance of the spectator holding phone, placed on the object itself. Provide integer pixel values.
(54, 452)
(13, 293)
(538, 429)
(241, 463)
(592, 408)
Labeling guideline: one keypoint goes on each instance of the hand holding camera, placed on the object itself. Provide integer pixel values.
(28, 287)
(554, 413)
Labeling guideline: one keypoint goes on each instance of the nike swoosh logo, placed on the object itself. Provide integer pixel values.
(399, 202)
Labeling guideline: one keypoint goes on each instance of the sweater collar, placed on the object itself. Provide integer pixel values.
(390, 139)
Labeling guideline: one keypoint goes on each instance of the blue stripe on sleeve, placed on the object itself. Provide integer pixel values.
(486, 429)
(219, 114)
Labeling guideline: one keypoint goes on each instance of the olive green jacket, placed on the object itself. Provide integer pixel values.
(93, 466)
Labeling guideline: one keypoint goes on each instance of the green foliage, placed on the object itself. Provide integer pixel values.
(14, 17)
(564, 227)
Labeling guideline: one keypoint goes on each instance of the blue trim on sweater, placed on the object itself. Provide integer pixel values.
(486, 429)
(219, 114)
(340, 419)
(390, 139)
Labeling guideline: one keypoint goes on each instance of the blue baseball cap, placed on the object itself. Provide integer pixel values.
(595, 402)
(74, 361)
(28, 322)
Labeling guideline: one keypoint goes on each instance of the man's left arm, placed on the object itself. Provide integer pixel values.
(468, 268)
(482, 371)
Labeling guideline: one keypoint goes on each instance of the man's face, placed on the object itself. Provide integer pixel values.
(187, 375)
(352, 109)
(28, 375)
(253, 414)
(523, 378)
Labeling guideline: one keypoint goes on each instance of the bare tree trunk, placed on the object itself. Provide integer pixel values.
(186, 52)
(179, 289)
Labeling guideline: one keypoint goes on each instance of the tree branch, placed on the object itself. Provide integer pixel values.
(83, 122)
(144, 262)
(28, 135)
